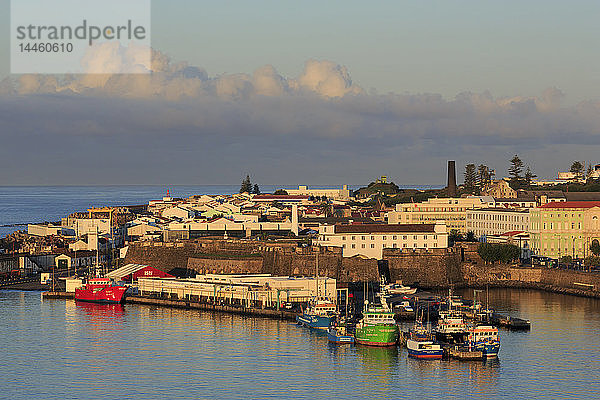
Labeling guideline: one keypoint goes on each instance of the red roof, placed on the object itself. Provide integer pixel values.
(375, 228)
(280, 197)
(512, 233)
(572, 204)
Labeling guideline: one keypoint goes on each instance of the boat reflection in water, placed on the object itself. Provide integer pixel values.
(102, 313)
(382, 359)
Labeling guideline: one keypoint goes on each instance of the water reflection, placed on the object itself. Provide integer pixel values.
(378, 362)
(155, 352)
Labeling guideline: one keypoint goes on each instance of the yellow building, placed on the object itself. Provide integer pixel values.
(452, 210)
(561, 229)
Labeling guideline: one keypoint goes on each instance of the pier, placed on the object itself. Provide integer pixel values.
(189, 304)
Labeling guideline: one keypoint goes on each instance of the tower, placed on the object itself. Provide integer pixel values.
(451, 179)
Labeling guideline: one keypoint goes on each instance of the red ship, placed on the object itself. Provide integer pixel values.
(101, 290)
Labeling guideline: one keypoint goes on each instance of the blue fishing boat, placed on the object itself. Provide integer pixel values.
(339, 333)
(485, 338)
(420, 343)
(318, 315)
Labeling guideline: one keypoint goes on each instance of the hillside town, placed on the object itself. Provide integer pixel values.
(552, 223)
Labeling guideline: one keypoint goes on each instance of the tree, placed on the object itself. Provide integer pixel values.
(595, 247)
(567, 260)
(255, 189)
(492, 252)
(529, 176)
(590, 170)
(470, 177)
(484, 176)
(592, 261)
(514, 171)
(577, 168)
(453, 237)
(470, 237)
(246, 185)
(280, 192)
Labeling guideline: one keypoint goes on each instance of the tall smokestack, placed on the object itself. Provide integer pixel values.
(451, 179)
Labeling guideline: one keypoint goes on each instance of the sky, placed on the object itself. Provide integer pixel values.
(317, 92)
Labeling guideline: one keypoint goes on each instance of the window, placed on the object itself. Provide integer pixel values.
(353, 237)
(415, 237)
(393, 237)
(372, 246)
(362, 238)
(384, 238)
(353, 246)
(372, 237)
(344, 246)
(343, 238)
(363, 245)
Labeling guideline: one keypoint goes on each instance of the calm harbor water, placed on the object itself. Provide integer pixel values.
(56, 349)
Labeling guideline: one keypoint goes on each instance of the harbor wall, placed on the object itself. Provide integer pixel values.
(554, 280)
(439, 268)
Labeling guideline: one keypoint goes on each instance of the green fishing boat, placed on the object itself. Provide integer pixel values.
(377, 326)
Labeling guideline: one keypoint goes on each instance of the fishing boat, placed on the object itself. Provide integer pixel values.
(451, 327)
(339, 333)
(320, 312)
(318, 315)
(377, 326)
(101, 290)
(485, 339)
(420, 344)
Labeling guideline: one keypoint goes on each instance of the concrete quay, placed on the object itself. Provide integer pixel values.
(187, 304)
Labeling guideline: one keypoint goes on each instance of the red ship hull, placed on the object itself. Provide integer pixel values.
(98, 293)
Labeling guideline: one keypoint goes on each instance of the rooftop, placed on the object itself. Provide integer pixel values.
(376, 228)
(501, 209)
(572, 204)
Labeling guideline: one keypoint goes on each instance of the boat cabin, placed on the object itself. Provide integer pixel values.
(483, 333)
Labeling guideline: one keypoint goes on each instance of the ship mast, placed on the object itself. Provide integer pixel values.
(317, 270)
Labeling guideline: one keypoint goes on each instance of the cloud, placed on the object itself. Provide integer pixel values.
(178, 124)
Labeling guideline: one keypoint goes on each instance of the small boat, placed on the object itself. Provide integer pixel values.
(485, 339)
(318, 315)
(101, 290)
(421, 345)
(405, 306)
(398, 288)
(339, 333)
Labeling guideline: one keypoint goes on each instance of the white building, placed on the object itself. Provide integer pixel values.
(84, 226)
(49, 230)
(334, 194)
(497, 221)
(180, 212)
(369, 240)
(143, 231)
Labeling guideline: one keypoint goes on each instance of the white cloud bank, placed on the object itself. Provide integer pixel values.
(320, 125)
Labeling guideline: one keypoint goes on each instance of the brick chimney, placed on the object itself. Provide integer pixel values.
(451, 179)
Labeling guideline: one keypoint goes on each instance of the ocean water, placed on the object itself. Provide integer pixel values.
(57, 349)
